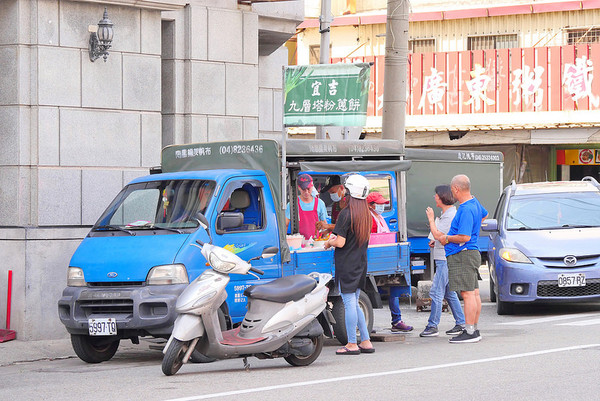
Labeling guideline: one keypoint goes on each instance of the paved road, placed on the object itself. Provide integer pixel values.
(541, 353)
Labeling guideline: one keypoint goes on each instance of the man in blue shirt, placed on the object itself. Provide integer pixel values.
(462, 253)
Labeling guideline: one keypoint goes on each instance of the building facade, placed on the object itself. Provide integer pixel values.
(75, 131)
(515, 76)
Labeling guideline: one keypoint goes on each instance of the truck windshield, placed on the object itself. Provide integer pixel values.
(169, 205)
(554, 211)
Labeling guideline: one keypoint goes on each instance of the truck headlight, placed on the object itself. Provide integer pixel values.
(75, 277)
(513, 255)
(167, 274)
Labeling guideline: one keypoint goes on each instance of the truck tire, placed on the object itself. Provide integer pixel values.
(296, 360)
(173, 359)
(339, 328)
(94, 349)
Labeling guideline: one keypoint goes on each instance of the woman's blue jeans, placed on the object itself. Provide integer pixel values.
(440, 290)
(354, 317)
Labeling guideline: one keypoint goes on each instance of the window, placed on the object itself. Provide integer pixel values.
(245, 199)
(421, 45)
(381, 184)
(583, 36)
(159, 205)
(492, 42)
(314, 55)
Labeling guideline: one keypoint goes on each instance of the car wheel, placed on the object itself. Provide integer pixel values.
(492, 289)
(504, 308)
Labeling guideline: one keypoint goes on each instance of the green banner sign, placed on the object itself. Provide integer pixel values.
(326, 94)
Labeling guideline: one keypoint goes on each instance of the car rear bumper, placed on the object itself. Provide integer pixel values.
(147, 310)
(541, 283)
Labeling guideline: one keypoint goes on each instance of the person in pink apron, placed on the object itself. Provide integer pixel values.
(311, 209)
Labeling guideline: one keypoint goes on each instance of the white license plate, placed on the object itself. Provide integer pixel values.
(102, 327)
(571, 280)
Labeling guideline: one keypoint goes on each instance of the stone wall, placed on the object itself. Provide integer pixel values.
(75, 131)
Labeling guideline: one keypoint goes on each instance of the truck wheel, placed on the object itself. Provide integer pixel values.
(296, 360)
(173, 359)
(339, 328)
(94, 349)
(504, 308)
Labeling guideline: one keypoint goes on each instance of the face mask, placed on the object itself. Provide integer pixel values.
(314, 192)
(379, 208)
(335, 197)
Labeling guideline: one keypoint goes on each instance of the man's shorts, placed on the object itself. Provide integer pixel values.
(462, 270)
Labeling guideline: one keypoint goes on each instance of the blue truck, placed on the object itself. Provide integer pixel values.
(125, 277)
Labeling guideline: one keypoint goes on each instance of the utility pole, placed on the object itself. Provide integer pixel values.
(325, 30)
(394, 89)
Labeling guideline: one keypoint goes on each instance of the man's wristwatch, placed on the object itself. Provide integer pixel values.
(447, 240)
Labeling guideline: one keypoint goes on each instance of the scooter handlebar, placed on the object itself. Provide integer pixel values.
(257, 271)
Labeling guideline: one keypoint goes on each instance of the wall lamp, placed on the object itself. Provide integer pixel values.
(101, 39)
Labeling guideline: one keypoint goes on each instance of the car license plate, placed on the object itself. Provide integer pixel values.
(571, 280)
(102, 327)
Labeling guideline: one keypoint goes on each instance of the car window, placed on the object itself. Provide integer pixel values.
(551, 211)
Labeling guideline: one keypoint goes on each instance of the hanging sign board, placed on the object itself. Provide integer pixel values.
(326, 94)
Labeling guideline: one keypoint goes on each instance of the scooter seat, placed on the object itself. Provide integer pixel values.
(284, 289)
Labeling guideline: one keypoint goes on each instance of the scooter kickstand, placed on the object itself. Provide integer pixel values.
(246, 365)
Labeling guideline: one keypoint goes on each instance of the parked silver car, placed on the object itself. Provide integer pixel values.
(545, 243)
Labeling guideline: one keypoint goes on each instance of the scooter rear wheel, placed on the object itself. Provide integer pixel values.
(296, 360)
(173, 359)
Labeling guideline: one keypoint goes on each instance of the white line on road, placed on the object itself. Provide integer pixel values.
(549, 319)
(588, 322)
(388, 373)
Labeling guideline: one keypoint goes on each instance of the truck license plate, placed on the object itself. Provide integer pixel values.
(102, 327)
(571, 280)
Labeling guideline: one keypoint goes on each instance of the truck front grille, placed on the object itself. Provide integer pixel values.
(550, 288)
(107, 306)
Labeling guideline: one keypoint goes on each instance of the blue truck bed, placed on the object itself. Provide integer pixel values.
(388, 259)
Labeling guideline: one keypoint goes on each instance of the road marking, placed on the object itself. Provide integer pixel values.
(548, 319)
(388, 373)
(588, 322)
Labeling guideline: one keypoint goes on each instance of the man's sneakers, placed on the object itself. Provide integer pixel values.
(456, 330)
(429, 332)
(401, 326)
(465, 337)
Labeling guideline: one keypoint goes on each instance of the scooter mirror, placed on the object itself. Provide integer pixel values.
(269, 252)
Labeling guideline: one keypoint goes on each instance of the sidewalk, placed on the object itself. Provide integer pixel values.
(16, 351)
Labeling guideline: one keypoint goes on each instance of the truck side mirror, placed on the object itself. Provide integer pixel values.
(202, 220)
(229, 220)
(269, 252)
(489, 225)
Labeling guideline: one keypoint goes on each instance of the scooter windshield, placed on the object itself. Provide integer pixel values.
(170, 205)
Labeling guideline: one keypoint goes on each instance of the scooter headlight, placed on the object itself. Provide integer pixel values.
(220, 264)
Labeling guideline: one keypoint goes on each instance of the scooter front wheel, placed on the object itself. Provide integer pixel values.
(173, 359)
(296, 360)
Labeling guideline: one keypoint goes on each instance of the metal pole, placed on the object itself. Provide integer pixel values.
(394, 94)
(325, 30)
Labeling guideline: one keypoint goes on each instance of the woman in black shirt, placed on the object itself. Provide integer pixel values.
(350, 239)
